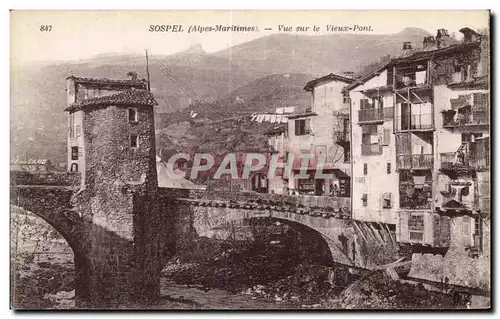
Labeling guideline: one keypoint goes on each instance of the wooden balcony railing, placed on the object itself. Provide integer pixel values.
(342, 136)
(478, 157)
(480, 117)
(416, 122)
(375, 115)
(420, 161)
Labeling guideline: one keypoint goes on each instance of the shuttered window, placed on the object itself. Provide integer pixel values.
(365, 200)
(416, 227)
(387, 137)
(302, 127)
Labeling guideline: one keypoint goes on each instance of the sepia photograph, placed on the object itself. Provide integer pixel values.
(306, 160)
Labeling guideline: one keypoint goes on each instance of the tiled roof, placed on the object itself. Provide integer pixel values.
(277, 129)
(305, 114)
(425, 55)
(131, 97)
(365, 78)
(477, 83)
(309, 86)
(104, 81)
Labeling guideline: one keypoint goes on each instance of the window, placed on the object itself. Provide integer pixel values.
(78, 130)
(365, 169)
(132, 114)
(365, 200)
(387, 200)
(387, 137)
(416, 227)
(71, 125)
(388, 168)
(302, 127)
(370, 142)
(134, 141)
(74, 153)
(347, 155)
(345, 97)
(478, 234)
(74, 167)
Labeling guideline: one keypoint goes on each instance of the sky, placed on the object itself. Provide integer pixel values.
(78, 35)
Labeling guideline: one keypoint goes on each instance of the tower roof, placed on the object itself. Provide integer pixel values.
(138, 84)
(132, 97)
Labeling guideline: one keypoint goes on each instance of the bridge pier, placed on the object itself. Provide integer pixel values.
(121, 265)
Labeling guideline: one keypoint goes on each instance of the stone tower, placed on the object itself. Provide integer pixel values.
(119, 193)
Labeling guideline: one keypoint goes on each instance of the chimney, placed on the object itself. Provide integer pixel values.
(407, 50)
(132, 76)
(443, 38)
(470, 35)
(348, 74)
(429, 43)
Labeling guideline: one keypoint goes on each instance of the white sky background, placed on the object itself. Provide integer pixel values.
(84, 34)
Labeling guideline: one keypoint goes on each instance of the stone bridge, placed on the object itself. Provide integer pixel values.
(122, 238)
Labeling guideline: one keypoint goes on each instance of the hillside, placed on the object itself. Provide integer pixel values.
(265, 73)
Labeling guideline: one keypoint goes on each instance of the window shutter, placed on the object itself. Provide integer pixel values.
(297, 129)
(307, 124)
(362, 104)
(365, 169)
(387, 137)
(390, 76)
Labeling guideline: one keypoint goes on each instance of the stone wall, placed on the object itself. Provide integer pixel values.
(121, 204)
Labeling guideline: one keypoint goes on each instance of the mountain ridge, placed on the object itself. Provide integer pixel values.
(38, 96)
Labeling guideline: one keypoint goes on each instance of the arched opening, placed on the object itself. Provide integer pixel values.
(260, 183)
(45, 267)
(260, 252)
(74, 167)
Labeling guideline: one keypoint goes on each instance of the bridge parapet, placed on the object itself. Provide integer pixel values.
(319, 206)
(44, 178)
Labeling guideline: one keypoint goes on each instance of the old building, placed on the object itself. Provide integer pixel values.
(320, 132)
(375, 196)
(423, 125)
(78, 91)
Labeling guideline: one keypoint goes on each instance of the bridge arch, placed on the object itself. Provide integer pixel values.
(53, 205)
(332, 233)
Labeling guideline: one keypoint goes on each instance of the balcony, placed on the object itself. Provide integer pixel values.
(371, 149)
(375, 115)
(415, 122)
(342, 137)
(415, 197)
(477, 158)
(453, 120)
(421, 161)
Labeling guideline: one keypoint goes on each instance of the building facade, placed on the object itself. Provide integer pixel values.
(79, 90)
(430, 112)
(320, 134)
(375, 196)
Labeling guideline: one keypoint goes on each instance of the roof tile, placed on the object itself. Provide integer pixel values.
(131, 97)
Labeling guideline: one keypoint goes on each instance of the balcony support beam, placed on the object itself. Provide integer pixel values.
(404, 98)
(418, 97)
